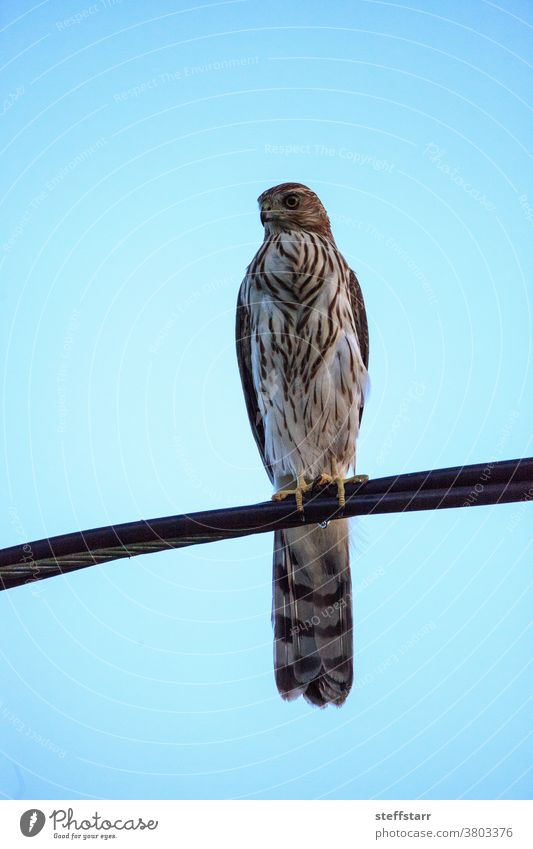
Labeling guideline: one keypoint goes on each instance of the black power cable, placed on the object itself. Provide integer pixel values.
(460, 486)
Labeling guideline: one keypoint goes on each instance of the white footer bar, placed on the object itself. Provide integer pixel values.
(256, 824)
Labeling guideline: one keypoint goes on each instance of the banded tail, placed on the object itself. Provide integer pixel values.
(312, 613)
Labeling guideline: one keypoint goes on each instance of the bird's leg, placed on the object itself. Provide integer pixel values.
(325, 480)
(298, 492)
(342, 481)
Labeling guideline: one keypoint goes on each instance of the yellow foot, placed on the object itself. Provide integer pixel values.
(326, 480)
(298, 493)
(340, 486)
(323, 480)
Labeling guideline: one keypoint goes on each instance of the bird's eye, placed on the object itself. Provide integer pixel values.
(291, 201)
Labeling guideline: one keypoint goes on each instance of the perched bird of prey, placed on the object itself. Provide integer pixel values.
(302, 348)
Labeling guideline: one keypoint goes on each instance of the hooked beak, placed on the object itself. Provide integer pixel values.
(267, 215)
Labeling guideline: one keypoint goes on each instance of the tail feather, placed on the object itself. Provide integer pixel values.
(312, 613)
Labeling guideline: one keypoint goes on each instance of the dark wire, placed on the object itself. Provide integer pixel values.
(460, 486)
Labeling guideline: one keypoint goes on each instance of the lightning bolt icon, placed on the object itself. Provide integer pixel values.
(33, 820)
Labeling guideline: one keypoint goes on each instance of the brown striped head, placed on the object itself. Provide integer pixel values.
(292, 206)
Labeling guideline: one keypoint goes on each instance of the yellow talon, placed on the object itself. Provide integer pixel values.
(323, 480)
(340, 486)
(298, 493)
(326, 480)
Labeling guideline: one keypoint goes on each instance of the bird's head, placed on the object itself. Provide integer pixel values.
(292, 206)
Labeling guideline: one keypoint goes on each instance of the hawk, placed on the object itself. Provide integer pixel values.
(302, 349)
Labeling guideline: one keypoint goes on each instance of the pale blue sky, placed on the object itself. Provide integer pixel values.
(137, 137)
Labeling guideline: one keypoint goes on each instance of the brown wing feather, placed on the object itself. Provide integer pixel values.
(243, 337)
(361, 323)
